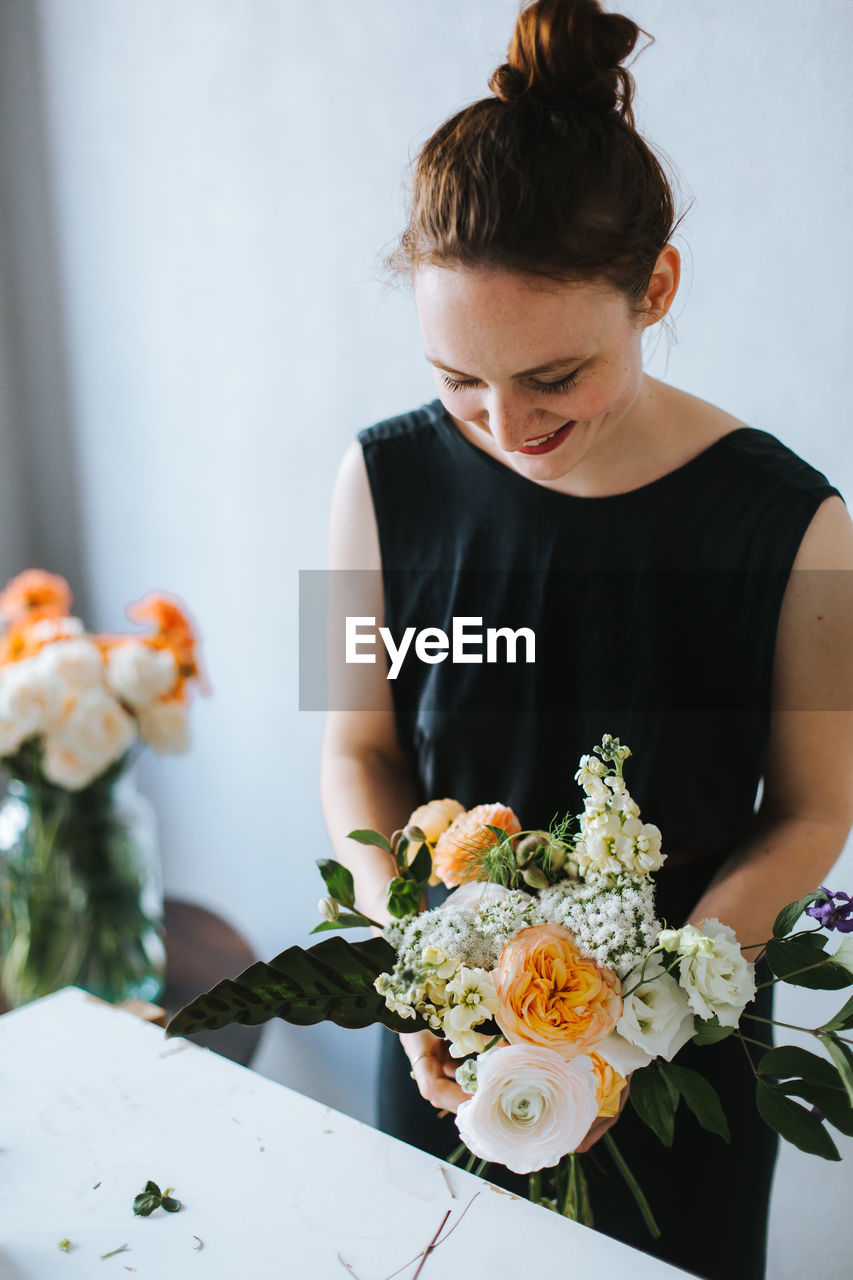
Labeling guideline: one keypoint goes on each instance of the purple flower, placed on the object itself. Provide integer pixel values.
(835, 911)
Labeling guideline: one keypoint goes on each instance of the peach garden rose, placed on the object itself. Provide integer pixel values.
(549, 993)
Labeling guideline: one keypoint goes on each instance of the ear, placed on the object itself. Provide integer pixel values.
(663, 285)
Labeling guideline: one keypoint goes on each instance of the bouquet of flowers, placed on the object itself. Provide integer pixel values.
(80, 886)
(552, 980)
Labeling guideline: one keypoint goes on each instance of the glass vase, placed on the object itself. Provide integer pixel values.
(81, 894)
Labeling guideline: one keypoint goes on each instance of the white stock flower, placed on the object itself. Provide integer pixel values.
(139, 674)
(655, 1015)
(28, 701)
(165, 727)
(717, 979)
(71, 664)
(531, 1107)
(93, 727)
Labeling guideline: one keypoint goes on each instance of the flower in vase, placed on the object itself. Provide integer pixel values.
(531, 1108)
(93, 732)
(28, 702)
(71, 664)
(458, 850)
(551, 994)
(164, 725)
(138, 673)
(173, 631)
(34, 590)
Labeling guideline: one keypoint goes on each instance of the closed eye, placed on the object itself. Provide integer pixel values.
(549, 388)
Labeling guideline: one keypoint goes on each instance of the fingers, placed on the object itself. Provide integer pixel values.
(435, 1085)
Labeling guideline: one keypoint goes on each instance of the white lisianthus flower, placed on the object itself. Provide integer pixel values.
(621, 1054)
(717, 979)
(655, 1015)
(94, 727)
(531, 1107)
(139, 674)
(28, 701)
(165, 726)
(71, 664)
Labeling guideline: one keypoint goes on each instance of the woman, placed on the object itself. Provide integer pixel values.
(645, 536)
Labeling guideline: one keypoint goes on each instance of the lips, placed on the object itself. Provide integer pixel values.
(549, 443)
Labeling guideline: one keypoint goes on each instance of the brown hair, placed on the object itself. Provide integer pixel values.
(549, 176)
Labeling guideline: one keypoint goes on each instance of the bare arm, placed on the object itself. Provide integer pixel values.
(366, 778)
(807, 806)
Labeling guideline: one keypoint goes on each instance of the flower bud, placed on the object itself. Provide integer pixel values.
(535, 877)
(328, 909)
(558, 853)
(414, 835)
(528, 848)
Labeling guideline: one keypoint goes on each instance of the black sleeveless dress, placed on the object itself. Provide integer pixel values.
(654, 614)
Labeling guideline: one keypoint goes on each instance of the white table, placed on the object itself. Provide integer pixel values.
(94, 1102)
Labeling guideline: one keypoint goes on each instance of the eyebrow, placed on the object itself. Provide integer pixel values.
(525, 373)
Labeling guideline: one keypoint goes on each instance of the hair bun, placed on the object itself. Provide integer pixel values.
(569, 52)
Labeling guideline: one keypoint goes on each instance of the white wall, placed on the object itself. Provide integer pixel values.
(222, 175)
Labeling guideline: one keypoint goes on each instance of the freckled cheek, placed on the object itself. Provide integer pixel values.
(595, 401)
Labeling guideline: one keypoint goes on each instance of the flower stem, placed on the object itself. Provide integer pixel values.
(633, 1186)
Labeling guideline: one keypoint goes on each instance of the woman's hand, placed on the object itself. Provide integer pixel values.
(433, 1070)
(600, 1126)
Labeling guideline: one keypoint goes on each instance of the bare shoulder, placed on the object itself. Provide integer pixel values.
(828, 541)
(353, 536)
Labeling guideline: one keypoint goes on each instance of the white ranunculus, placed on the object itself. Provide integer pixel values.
(655, 1016)
(140, 674)
(94, 727)
(717, 979)
(531, 1107)
(165, 727)
(28, 700)
(71, 664)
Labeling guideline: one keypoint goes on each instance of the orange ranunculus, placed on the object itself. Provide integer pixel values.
(173, 631)
(34, 589)
(609, 1086)
(457, 850)
(549, 993)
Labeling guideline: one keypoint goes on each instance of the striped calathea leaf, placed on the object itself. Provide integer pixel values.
(331, 981)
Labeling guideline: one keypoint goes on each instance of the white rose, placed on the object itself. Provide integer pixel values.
(71, 664)
(27, 700)
(165, 726)
(655, 1016)
(67, 767)
(48, 629)
(717, 980)
(531, 1107)
(622, 1055)
(139, 674)
(95, 727)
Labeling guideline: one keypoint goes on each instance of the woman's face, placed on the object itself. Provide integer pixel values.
(546, 372)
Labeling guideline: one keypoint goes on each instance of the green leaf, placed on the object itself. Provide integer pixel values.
(369, 837)
(843, 1059)
(700, 1096)
(789, 915)
(843, 1020)
(793, 1122)
(338, 880)
(404, 897)
(817, 941)
(170, 1204)
(709, 1031)
(331, 981)
(652, 1101)
(832, 1102)
(798, 963)
(844, 954)
(421, 865)
(789, 1060)
(344, 921)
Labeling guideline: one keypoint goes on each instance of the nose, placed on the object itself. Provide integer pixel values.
(510, 420)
